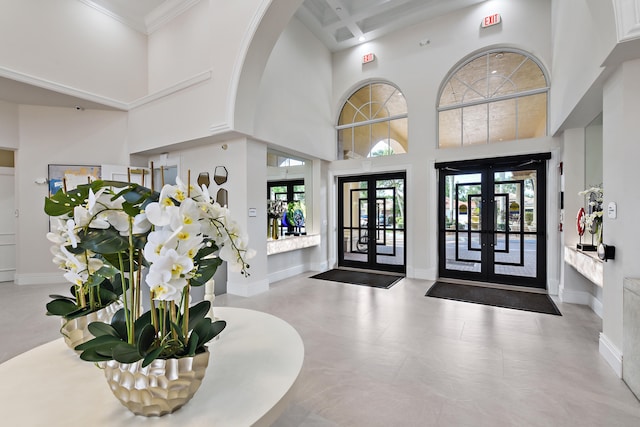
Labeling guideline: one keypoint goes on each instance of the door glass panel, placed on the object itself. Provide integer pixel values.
(463, 222)
(355, 220)
(514, 234)
(490, 226)
(372, 222)
(389, 222)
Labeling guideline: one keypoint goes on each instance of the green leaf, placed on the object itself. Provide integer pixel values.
(151, 356)
(107, 241)
(142, 321)
(56, 296)
(126, 353)
(146, 337)
(218, 326)
(194, 340)
(206, 269)
(178, 331)
(97, 342)
(61, 307)
(100, 328)
(119, 323)
(106, 296)
(198, 312)
(93, 356)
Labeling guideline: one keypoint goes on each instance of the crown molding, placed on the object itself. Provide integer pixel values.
(166, 12)
(60, 88)
(133, 23)
(627, 14)
(191, 81)
(98, 99)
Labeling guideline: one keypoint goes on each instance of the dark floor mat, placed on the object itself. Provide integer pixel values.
(519, 300)
(359, 278)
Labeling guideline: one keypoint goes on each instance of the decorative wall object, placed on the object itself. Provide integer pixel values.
(203, 179)
(220, 175)
(222, 197)
(70, 176)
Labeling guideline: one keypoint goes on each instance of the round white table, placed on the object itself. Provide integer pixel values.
(254, 365)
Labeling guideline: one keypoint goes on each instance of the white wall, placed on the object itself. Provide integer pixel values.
(181, 48)
(56, 136)
(418, 71)
(246, 163)
(70, 43)
(9, 135)
(583, 36)
(620, 154)
(293, 104)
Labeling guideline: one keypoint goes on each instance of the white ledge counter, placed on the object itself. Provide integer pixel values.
(253, 367)
(292, 243)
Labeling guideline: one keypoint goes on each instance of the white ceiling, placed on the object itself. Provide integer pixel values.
(337, 23)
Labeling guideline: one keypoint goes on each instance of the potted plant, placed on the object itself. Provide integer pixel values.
(162, 244)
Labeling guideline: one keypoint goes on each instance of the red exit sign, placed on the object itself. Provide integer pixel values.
(369, 57)
(491, 20)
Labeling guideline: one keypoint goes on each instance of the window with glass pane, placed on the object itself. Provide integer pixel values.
(373, 122)
(499, 95)
(293, 193)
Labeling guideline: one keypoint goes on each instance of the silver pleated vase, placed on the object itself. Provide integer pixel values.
(76, 331)
(160, 388)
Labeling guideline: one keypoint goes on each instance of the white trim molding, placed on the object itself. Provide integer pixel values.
(627, 14)
(163, 14)
(611, 354)
(582, 298)
(184, 84)
(60, 88)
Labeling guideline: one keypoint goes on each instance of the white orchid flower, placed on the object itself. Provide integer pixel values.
(159, 214)
(161, 289)
(158, 242)
(71, 233)
(141, 223)
(173, 268)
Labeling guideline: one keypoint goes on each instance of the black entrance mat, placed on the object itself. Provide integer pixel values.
(519, 300)
(359, 278)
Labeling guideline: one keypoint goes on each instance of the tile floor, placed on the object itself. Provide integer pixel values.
(393, 357)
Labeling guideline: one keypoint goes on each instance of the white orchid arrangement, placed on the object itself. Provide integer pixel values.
(593, 219)
(109, 232)
(276, 208)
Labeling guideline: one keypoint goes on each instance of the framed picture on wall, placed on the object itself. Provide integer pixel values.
(70, 176)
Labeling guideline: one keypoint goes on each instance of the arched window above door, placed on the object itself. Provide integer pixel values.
(497, 95)
(373, 122)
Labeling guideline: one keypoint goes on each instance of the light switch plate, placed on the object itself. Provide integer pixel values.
(612, 210)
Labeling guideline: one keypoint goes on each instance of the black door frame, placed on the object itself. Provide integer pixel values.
(487, 167)
(372, 220)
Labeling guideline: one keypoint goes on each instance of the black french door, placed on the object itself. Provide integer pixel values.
(371, 218)
(492, 220)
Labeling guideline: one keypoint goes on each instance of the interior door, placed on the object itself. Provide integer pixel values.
(7, 225)
(493, 222)
(371, 222)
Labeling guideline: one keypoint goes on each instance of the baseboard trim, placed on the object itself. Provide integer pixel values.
(289, 272)
(39, 279)
(247, 289)
(610, 354)
(582, 298)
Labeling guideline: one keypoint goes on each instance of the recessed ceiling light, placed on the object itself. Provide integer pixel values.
(494, 71)
(361, 38)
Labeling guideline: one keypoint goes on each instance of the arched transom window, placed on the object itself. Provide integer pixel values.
(373, 122)
(499, 95)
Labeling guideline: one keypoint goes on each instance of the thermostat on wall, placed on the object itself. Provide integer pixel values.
(612, 210)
